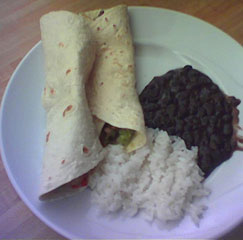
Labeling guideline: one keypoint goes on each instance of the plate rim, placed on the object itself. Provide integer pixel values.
(186, 15)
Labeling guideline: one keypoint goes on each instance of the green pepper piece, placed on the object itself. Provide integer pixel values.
(125, 136)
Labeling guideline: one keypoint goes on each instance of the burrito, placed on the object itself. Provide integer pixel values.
(111, 91)
(72, 146)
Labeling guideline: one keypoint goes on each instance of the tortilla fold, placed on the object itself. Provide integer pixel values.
(72, 145)
(111, 89)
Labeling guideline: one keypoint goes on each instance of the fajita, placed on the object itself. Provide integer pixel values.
(72, 145)
(111, 88)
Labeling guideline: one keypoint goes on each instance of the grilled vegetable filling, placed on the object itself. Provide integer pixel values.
(114, 135)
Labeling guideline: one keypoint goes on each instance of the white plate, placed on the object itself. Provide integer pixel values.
(164, 40)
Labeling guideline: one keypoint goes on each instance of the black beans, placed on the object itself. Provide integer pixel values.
(188, 139)
(179, 126)
(201, 113)
(234, 101)
(209, 108)
(214, 142)
(228, 129)
(204, 121)
(151, 107)
(171, 110)
(197, 137)
(227, 118)
(186, 103)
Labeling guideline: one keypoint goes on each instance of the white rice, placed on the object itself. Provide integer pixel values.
(160, 180)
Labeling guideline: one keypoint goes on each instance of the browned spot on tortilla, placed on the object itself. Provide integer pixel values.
(121, 51)
(101, 83)
(98, 28)
(106, 56)
(114, 25)
(68, 108)
(106, 19)
(63, 161)
(61, 44)
(47, 136)
(101, 13)
(111, 53)
(52, 91)
(68, 71)
(130, 66)
(85, 149)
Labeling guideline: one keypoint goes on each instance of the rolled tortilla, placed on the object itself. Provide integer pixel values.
(72, 145)
(111, 88)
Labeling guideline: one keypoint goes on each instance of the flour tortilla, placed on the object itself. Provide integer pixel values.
(111, 89)
(72, 145)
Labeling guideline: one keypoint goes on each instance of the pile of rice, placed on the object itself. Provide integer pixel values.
(160, 180)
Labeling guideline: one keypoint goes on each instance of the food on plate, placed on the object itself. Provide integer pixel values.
(160, 180)
(111, 89)
(113, 135)
(160, 177)
(186, 103)
(89, 65)
(72, 146)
